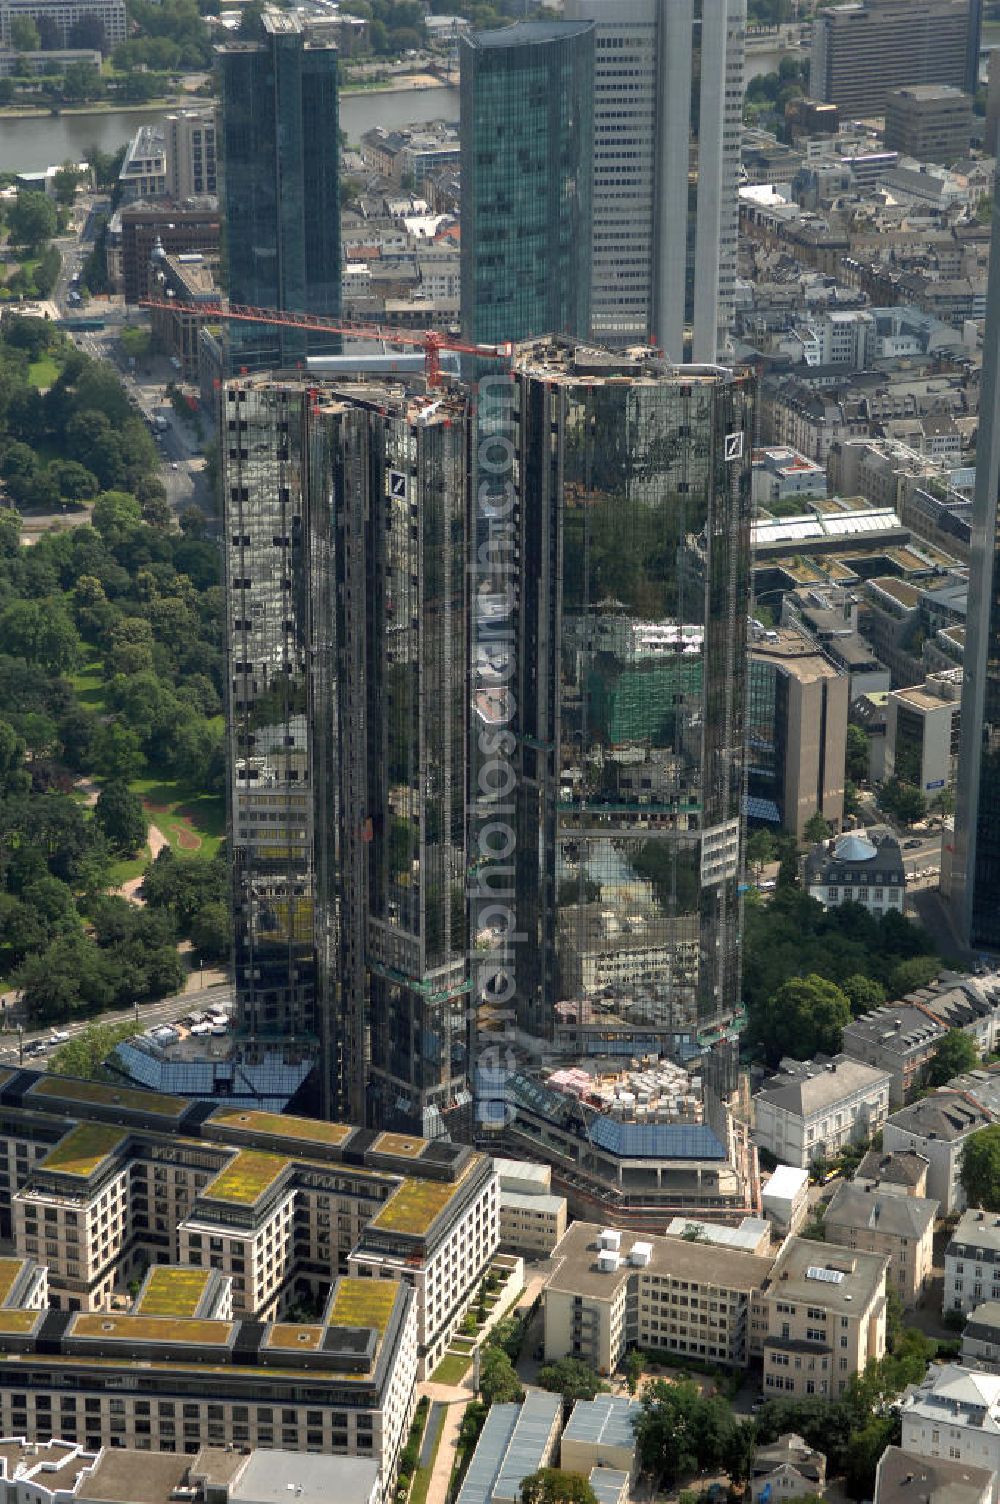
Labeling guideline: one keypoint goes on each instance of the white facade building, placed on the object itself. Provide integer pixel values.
(955, 1413)
(972, 1261)
(664, 256)
(65, 14)
(938, 1127)
(191, 153)
(815, 1109)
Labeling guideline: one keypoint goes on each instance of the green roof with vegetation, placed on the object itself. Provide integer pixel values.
(402, 1145)
(303, 1130)
(103, 1094)
(413, 1206)
(363, 1302)
(246, 1177)
(9, 1271)
(15, 1321)
(99, 1325)
(172, 1291)
(82, 1149)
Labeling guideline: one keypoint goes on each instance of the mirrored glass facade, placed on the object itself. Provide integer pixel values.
(527, 141)
(281, 148)
(633, 490)
(346, 537)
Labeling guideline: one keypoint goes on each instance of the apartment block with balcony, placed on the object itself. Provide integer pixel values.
(103, 1181)
(824, 1308)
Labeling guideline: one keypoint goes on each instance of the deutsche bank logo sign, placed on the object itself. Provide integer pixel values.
(734, 446)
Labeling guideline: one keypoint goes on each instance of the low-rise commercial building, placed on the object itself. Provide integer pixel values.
(532, 1219)
(781, 472)
(972, 1261)
(601, 1433)
(880, 1222)
(815, 1108)
(824, 1313)
(954, 1415)
(516, 1440)
(611, 1290)
(938, 1127)
(785, 1198)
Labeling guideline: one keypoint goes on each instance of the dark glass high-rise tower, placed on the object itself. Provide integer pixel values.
(632, 485)
(281, 151)
(527, 139)
(346, 535)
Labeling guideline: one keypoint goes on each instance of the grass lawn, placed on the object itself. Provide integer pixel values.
(191, 820)
(452, 1369)
(422, 1477)
(42, 373)
(89, 685)
(127, 867)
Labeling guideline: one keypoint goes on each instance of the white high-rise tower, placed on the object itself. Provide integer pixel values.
(668, 85)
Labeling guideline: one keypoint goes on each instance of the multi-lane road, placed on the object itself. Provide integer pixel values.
(14, 1046)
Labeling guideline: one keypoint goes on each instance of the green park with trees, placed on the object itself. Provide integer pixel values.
(111, 673)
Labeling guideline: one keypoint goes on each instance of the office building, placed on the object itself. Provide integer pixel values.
(214, 1475)
(280, 137)
(611, 1290)
(796, 731)
(105, 1181)
(973, 863)
(972, 1261)
(992, 138)
(668, 105)
(932, 122)
(190, 139)
(824, 1318)
(137, 230)
(954, 1415)
(108, 16)
(861, 51)
(922, 733)
(881, 1222)
(532, 1219)
(630, 687)
(814, 1108)
(347, 580)
(527, 143)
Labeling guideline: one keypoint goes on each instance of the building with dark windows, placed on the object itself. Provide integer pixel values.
(280, 143)
(526, 148)
(862, 50)
(797, 732)
(632, 531)
(347, 593)
(668, 114)
(970, 866)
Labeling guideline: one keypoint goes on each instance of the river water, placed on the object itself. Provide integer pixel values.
(29, 145)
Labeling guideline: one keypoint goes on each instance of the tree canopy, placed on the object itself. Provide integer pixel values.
(572, 1378)
(956, 1053)
(805, 1016)
(980, 1172)
(550, 1485)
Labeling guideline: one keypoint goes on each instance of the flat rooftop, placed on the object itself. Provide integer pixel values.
(170, 1290)
(124, 1476)
(246, 1177)
(83, 1149)
(577, 1272)
(841, 1279)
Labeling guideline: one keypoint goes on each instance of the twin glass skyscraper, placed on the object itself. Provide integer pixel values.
(281, 148)
(371, 660)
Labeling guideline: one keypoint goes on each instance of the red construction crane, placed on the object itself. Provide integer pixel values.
(431, 341)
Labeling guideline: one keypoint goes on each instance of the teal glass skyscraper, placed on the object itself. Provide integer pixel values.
(527, 140)
(281, 149)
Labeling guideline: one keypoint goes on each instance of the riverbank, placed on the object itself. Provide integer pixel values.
(402, 84)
